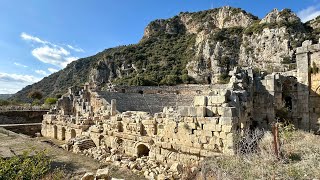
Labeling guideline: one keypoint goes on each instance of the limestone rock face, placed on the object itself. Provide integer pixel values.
(222, 42)
(276, 16)
(224, 17)
(266, 50)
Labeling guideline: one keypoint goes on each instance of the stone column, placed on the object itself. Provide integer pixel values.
(113, 107)
(303, 78)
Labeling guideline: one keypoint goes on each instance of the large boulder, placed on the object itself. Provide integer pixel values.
(103, 174)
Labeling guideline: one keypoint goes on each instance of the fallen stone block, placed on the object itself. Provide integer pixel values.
(103, 174)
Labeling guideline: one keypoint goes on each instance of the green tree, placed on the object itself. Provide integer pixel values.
(35, 95)
(170, 80)
(4, 102)
(50, 101)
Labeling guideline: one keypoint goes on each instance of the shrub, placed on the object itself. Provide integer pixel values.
(35, 95)
(286, 60)
(4, 102)
(50, 101)
(185, 78)
(25, 166)
(58, 96)
(224, 79)
(170, 80)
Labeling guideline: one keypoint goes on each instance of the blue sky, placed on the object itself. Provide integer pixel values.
(39, 37)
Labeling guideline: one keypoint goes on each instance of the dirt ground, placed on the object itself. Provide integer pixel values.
(75, 165)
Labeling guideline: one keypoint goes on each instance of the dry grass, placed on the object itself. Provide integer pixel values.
(300, 159)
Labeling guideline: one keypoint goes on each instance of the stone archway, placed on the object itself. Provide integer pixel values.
(63, 133)
(55, 132)
(142, 150)
(73, 133)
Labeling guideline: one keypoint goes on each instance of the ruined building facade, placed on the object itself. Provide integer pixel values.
(189, 122)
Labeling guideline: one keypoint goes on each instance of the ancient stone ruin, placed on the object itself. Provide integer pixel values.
(189, 122)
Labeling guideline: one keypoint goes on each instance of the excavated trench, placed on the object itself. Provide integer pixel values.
(22, 122)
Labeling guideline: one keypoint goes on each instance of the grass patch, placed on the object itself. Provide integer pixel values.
(300, 160)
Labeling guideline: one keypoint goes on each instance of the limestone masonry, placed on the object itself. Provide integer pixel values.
(189, 122)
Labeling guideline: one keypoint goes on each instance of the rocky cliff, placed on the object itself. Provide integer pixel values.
(200, 47)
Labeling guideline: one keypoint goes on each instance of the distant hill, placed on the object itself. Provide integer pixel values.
(5, 96)
(197, 47)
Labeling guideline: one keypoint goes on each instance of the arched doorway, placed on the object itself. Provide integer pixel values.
(55, 132)
(288, 102)
(63, 133)
(73, 133)
(142, 150)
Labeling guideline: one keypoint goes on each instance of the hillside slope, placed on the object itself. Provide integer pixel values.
(200, 47)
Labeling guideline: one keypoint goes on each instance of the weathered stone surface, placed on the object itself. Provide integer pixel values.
(176, 167)
(200, 101)
(103, 174)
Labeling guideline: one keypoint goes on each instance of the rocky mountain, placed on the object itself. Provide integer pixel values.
(200, 47)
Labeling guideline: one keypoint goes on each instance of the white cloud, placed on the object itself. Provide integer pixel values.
(21, 65)
(41, 72)
(51, 53)
(52, 70)
(57, 56)
(5, 77)
(11, 83)
(11, 90)
(309, 13)
(26, 36)
(75, 49)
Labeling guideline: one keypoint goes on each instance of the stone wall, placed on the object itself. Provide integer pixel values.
(308, 92)
(165, 126)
